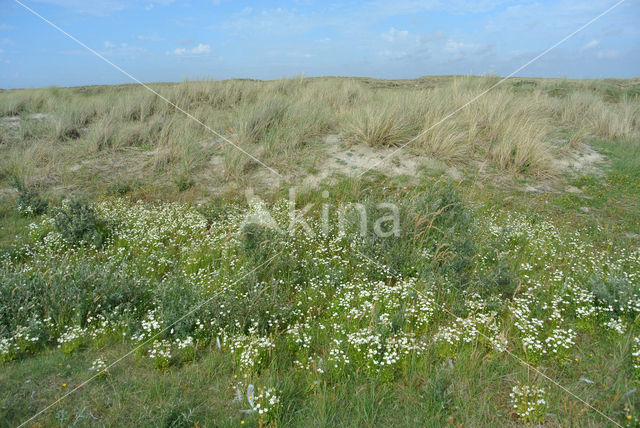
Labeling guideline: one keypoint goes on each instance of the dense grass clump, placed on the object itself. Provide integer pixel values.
(519, 127)
(429, 235)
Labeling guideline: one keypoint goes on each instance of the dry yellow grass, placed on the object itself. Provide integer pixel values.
(282, 123)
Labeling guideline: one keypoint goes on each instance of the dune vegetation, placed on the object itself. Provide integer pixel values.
(97, 136)
(496, 283)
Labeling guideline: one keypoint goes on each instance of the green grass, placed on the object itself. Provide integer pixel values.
(13, 226)
(477, 253)
(424, 389)
(611, 200)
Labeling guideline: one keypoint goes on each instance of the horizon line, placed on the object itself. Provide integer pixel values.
(303, 76)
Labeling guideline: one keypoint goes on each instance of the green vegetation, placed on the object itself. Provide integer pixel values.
(58, 139)
(505, 260)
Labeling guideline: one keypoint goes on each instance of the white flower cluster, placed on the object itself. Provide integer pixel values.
(337, 355)
(185, 343)
(160, 353)
(299, 335)
(480, 323)
(72, 339)
(8, 349)
(376, 352)
(98, 365)
(150, 326)
(541, 338)
(560, 341)
(635, 353)
(266, 403)
(24, 209)
(251, 352)
(357, 299)
(584, 301)
(617, 325)
(529, 403)
(24, 339)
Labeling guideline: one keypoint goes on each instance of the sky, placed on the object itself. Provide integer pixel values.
(171, 40)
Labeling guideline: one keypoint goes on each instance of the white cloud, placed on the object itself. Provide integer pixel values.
(455, 47)
(394, 54)
(592, 44)
(609, 54)
(527, 23)
(455, 50)
(198, 50)
(393, 35)
(201, 49)
(123, 49)
(6, 27)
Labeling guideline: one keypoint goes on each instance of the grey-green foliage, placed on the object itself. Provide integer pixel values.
(68, 293)
(78, 223)
(614, 292)
(180, 304)
(29, 202)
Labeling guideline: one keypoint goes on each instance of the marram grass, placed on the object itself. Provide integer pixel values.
(515, 127)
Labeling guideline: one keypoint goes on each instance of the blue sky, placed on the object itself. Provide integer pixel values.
(165, 40)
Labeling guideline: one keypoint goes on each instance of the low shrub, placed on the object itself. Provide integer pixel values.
(78, 223)
(614, 292)
(29, 202)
